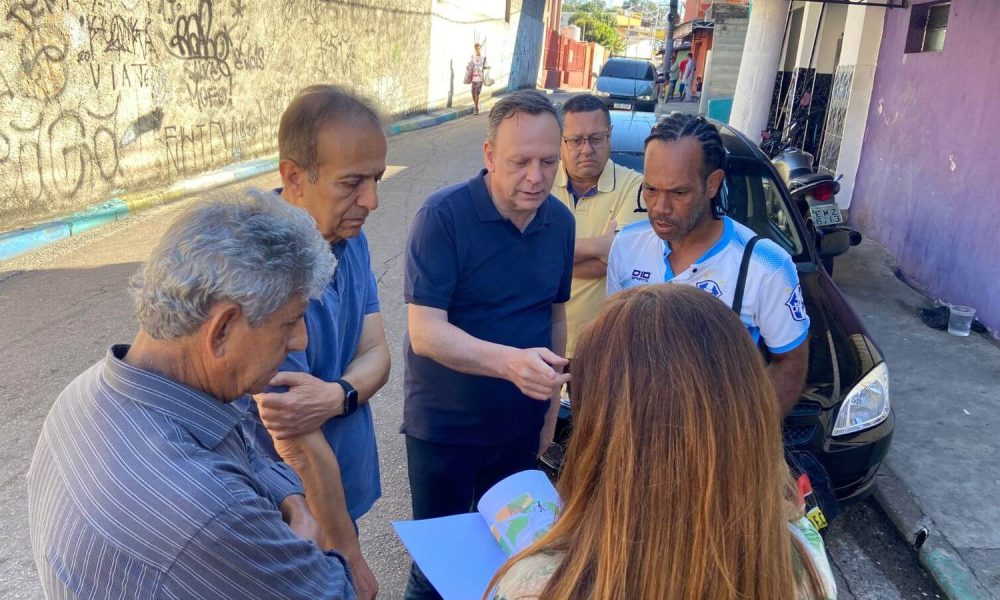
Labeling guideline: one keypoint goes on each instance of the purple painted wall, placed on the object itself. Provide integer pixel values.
(928, 186)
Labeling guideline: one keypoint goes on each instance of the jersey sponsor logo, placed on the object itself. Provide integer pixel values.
(710, 286)
(796, 304)
(638, 275)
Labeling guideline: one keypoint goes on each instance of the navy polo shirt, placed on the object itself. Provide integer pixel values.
(497, 284)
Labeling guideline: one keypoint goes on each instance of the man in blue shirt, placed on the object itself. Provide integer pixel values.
(142, 484)
(489, 268)
(332, 154)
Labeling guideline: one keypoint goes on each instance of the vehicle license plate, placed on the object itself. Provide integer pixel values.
(623, 105)
(826, 215)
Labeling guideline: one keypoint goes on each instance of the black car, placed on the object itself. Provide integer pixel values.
(844, 417)
(627, 84)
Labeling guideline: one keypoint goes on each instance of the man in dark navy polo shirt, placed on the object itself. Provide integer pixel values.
(489, 268)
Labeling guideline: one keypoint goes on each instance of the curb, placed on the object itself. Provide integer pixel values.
(934, 552)
(17, 242)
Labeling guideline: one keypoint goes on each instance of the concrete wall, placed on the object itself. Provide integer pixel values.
(103, 96)
(512, 48)
(825, 60)
(729, 38)
(927, 182)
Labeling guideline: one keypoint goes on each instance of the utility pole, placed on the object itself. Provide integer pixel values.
(668, 38)
(759, 66)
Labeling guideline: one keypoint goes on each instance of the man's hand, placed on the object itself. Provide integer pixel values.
(365, 583)
(308, 403)
(537, 372)
(295, 513)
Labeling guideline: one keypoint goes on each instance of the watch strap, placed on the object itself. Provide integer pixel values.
(350, 397)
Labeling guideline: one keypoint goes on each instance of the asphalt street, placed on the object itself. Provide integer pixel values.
(62, 306)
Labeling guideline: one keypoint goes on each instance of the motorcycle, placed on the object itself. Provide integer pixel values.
(814, 194)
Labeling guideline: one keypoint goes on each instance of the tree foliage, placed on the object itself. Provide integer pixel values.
(597, 25)
(590, 6)
(650, 11)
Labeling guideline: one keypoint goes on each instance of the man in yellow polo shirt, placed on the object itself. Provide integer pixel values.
(601, 196)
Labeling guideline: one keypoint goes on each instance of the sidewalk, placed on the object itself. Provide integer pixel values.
(687, 108)
(19, 241)
(941, 473)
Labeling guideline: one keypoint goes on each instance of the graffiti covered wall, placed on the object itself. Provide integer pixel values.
(101, 96)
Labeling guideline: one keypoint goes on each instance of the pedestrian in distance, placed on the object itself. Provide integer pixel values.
(673, 76)
(682, 75)
(142, 484)
(475, 74)
(489, 267)
(687, 76)
(676, 488)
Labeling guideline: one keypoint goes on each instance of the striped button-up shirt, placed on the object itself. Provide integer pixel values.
(141, 487)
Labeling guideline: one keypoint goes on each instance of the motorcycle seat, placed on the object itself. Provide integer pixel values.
(810, 179)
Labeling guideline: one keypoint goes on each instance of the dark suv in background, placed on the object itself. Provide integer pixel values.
(627, 84)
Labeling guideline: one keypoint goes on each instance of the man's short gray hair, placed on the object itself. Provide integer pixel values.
(254, 249)
(531, 102)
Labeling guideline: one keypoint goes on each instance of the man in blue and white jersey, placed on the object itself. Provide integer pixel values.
(684, 242)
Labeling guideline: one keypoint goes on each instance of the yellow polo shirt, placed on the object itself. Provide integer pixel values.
(617, 190)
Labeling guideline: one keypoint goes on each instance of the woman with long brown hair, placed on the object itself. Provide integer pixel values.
(674, 484)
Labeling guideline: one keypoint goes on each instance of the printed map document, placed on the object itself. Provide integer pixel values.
(459, 554)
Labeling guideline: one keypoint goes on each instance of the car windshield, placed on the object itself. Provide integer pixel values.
(752, 197)
(628, 69)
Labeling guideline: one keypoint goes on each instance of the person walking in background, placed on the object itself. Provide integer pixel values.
(675, 484)
(674, 74)
(687, 79)
(681, 70)
(476, 74)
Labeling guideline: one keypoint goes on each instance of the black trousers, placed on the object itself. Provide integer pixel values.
(449, 479)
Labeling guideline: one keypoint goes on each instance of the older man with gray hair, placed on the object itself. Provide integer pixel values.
(142, 484)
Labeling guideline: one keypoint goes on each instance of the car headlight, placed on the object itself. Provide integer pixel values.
(601, 94)
(867, 404)
(645, 98)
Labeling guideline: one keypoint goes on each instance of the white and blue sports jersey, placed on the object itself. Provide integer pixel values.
(773, 307)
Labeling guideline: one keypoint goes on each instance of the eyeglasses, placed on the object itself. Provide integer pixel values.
(596, 141)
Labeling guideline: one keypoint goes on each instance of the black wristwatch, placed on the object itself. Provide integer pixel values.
(350, 398)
